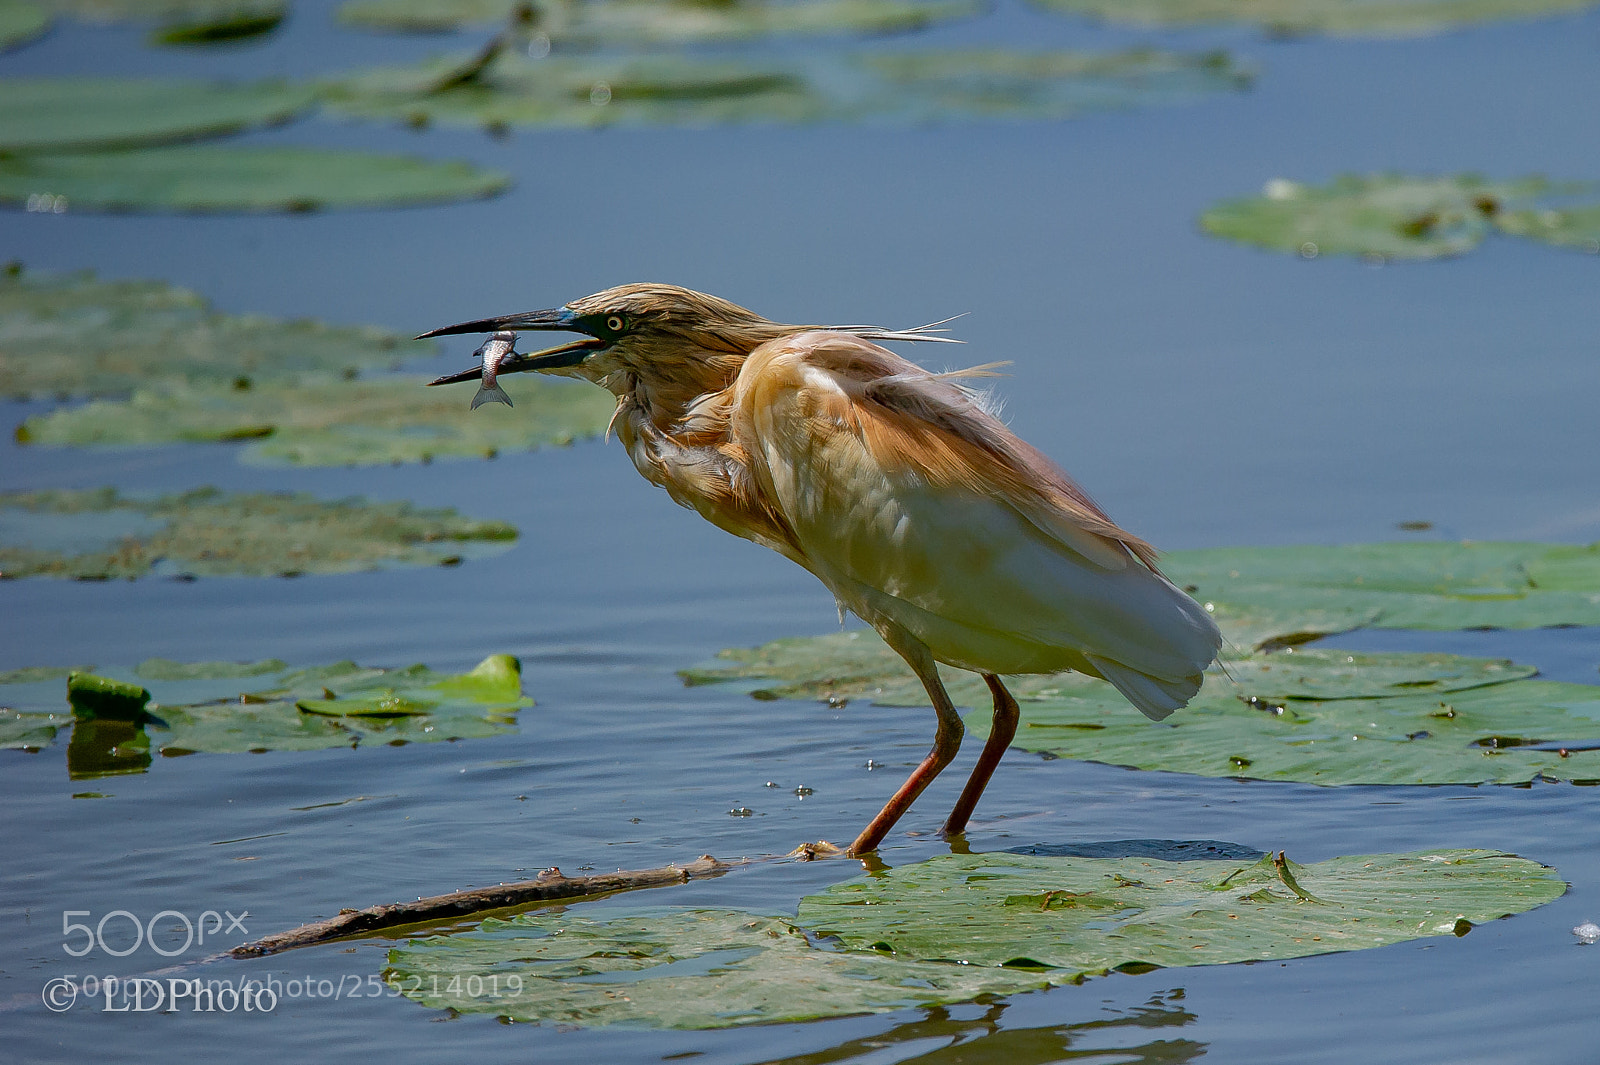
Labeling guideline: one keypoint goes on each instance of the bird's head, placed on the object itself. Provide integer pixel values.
(643, 333)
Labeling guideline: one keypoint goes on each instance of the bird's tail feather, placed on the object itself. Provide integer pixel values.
(487, 394)
(1156, 698)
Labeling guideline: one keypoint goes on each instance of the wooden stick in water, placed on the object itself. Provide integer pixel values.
(550, 885)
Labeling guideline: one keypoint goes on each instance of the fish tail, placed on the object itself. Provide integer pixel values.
(488, 393)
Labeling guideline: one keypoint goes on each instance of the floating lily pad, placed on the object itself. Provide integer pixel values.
(1034, 85)
(952, 929)
(167, 669)
(1437, 585)
(1393, 216)
(680, 90)
(72, 335)
(335, 422)
(1388, 216)
(1497, 734)
(1077, 917)
(1315, 716)
(671, 969)
(573, 92)
(1343, 18)
(165, 12)
(231, 26)
(221, 178)
(614, 22)
(29, 732)
(21, 22)
(203, 707)
(1575, 227)
(206, 532)
(55, 114)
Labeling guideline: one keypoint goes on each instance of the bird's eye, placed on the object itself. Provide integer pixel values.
(615, 323)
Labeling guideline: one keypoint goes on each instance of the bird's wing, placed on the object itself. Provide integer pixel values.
(908, 498)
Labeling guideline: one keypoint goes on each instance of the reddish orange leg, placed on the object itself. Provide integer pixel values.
(1005, 727)
(946, 742)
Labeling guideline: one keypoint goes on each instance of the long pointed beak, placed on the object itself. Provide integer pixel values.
(559, 318)
(569, 354)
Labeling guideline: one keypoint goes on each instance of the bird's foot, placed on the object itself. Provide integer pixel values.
(809, 852)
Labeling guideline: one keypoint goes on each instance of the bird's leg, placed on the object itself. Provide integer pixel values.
(1005, 727)
(946, 742)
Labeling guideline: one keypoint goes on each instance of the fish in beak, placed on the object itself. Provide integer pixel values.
(558, 357)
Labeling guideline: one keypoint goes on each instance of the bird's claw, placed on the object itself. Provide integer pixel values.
(810, 852)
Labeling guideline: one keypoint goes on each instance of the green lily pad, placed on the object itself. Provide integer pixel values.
(335, 422)
(513, 90)
(1574, 227)
(1042, 85)
(634, 22)
(1341, 18)
(1393, 216)
(1076, 917)
(662, 968)
(1298, 591)
(167, 669)
(29, 732)
(56, 114)
(72, 335)
(1309, 715)
(202, 707)
(1507, 733)
(1387, 216)
(164, 12)
(21, 22)
(237, 25)
(96, 534)
(221, 178)
(952, 929)
(581, 93)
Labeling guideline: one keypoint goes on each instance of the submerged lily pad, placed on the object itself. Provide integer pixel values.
(1314, 716)
(335, 422)
(96, 534)
(1077, 917)
(21, 22)
(73, 335)
(224, 178)
(661, 968)
(1284, 591)
(1394, 216)
(54, 114)
(202, 707)
(614, 22)
(1343, 18)
(680, 90)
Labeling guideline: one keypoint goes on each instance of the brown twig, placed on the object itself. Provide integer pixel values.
(548, 886)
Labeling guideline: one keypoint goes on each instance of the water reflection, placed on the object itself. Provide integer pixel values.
(962, 1040)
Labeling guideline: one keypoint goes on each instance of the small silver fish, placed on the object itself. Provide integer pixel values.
(494, 351)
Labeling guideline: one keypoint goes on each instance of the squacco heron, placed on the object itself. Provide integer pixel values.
(897, 487)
